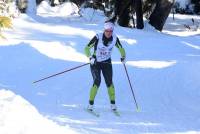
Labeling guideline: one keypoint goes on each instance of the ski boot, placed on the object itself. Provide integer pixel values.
(113, 107)
(90, 107)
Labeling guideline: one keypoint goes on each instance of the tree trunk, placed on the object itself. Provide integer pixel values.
(139, 14)
(52, 3)
(124, 18)
(38, 1)
(160, 14)
(122, 11)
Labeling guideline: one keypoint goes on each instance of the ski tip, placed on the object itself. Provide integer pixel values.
(93, 113)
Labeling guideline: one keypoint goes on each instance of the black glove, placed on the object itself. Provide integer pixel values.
(92, 60)
(123, 59)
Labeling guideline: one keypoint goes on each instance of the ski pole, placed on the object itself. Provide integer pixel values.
(60, 72)
(131, 86)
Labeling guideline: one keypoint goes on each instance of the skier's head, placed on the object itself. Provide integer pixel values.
(108, 29)
(108, 26)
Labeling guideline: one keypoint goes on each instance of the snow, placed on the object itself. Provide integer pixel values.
(179, 27)
(163, 68)
(19, 117)
(65, 9)
(31, 9)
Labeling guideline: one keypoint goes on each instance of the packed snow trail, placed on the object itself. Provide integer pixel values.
(163, 69)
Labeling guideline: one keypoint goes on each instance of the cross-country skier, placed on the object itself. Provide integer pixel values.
(100, 61)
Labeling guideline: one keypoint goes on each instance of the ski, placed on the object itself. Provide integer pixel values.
(116, 112)
(94, 113)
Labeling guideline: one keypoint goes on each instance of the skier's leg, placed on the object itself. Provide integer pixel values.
(96, 74)
(93, 92)
(111, 92)
(108, 73)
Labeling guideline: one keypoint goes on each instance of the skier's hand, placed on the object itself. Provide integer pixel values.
(123, 59)
(92, 60)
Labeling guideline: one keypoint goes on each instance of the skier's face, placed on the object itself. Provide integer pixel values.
(108, 33)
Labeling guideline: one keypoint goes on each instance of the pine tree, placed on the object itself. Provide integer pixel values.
(160, 14)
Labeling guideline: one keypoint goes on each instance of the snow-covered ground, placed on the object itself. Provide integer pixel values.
(163, 68)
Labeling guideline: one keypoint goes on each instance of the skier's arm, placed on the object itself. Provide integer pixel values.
(120, 48)
(90, 45)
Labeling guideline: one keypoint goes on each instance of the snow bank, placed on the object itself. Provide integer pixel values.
(17, 116)
(151, 64)
(66, 9)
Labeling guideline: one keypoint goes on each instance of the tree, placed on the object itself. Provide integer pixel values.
(22, 5)
(196, 6)
(160, 14)
(38, 1)
(52, 3)
(148, 7)
(78, 2)
(123, 11)
(139, 13)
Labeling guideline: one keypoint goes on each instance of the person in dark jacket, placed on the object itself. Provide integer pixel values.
(100, 61)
